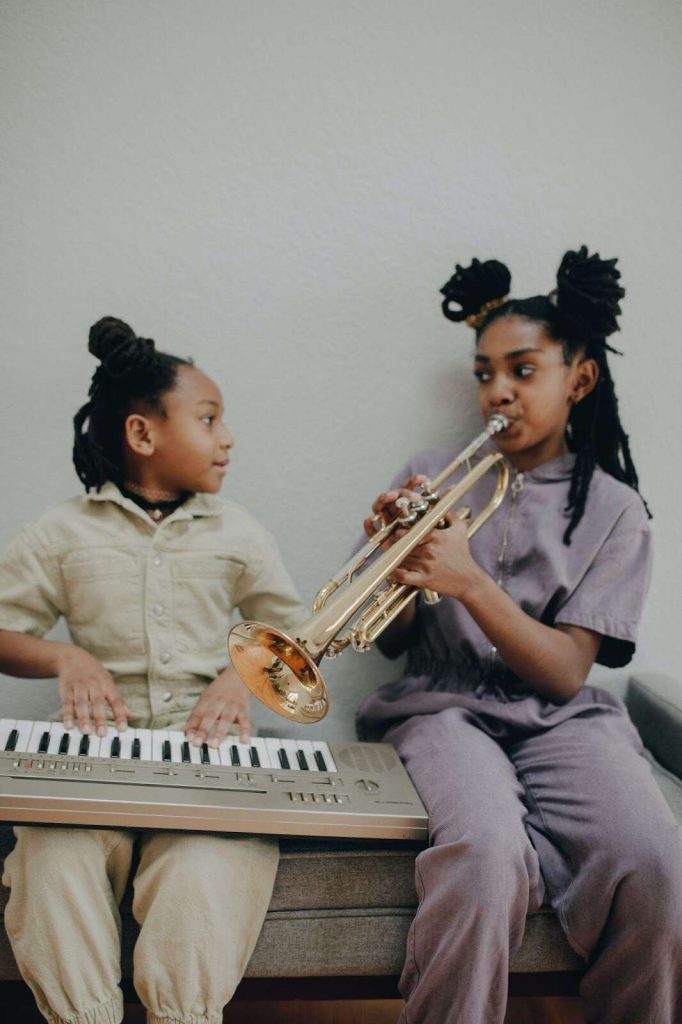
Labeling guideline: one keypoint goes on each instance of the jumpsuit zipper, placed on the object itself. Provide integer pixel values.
(516, 488)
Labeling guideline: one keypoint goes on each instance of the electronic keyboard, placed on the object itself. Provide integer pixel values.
(156, 779)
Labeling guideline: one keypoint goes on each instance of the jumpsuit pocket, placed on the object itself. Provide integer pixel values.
(203, 589)
(105, 602)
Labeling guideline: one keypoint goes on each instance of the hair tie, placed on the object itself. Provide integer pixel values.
(476, 319)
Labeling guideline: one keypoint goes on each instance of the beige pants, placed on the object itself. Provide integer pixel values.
(200, 901)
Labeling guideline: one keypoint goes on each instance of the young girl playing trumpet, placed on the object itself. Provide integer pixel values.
(534, 781)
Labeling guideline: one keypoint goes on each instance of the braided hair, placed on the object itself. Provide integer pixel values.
(580, 314)
(132, 375)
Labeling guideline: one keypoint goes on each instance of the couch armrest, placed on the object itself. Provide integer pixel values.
(654, 702)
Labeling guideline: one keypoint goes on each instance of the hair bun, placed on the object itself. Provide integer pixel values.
(588, 293)
(118, 348)
(473, 287)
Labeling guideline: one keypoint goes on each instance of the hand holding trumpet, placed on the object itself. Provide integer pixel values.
(442, 561)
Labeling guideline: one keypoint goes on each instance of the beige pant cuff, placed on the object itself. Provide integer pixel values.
(109, 1012)
(193, 1018)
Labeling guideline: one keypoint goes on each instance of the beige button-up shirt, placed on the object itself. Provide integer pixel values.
(152, 602)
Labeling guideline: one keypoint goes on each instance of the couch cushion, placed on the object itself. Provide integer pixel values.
(654, 702)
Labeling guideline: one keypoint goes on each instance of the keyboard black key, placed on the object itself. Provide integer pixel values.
(302, 763)
(186, 756)
(84, 745)
(283, 759)
(136, 749)
(12, 740)
(319, 761)
(205, 758)
(255, 759)
(64, 744)
(234, 754)
(115, 747)
(165, 750)
(44, 743)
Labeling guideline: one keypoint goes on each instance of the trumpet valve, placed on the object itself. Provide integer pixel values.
(410, 511)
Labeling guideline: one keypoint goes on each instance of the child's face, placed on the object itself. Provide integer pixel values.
(522, 373)
(190, 446)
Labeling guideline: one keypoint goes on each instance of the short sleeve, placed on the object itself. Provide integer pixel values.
(266, 591)
(31, 599)
(610, 595)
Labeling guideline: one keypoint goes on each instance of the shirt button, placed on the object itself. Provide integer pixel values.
(165, 657)
(167, 696)
(157, 560)
(157, 609)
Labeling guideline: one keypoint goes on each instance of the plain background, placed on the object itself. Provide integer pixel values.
(279, 188)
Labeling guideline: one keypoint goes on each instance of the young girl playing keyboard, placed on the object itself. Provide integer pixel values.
(533, 780)
(146, 568)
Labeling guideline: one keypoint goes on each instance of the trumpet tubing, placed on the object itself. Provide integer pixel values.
(282, 670)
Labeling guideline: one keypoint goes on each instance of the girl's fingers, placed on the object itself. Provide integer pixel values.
(227, 717)
(121, 712)
(83, 715)
(244, 723)
(410, 577)
(99, 713)
(383, 500)
(203, 728)
(68, 711)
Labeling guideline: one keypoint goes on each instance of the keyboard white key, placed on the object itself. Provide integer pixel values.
(244, 754)
(176, 738)
(56, 733)
(195, 754)
(6, 726)
(262, 750)
(274, 746)
(24, 728)
(159, 736)
(37, 732)
(308, 751)
(322, 747)
(126, 749)
(104, 747)
(290, 749)
(145, 738)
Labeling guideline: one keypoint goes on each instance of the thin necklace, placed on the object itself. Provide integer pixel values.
(150, 494)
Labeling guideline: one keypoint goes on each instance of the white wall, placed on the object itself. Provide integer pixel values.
(280, 187)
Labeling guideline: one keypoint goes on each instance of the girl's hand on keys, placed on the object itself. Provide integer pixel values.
(224, 701)
(85, 688)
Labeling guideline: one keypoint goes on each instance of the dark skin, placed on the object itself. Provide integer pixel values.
(522, 373)
(185, 450)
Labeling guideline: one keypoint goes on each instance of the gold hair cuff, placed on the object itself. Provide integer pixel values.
(476, 319)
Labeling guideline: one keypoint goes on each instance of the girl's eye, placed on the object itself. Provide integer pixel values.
(208, 419)
(525, 370)
(482, 376)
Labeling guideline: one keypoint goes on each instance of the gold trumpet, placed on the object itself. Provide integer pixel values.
(282, 670)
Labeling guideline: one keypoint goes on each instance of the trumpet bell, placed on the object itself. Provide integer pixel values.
(279, 671)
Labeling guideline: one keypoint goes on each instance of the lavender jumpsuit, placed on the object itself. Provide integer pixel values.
(526, 796)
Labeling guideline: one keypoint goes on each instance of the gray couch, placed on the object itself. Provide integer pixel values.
(341, 910)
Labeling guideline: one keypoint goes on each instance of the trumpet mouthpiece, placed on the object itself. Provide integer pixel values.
(497, 422)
